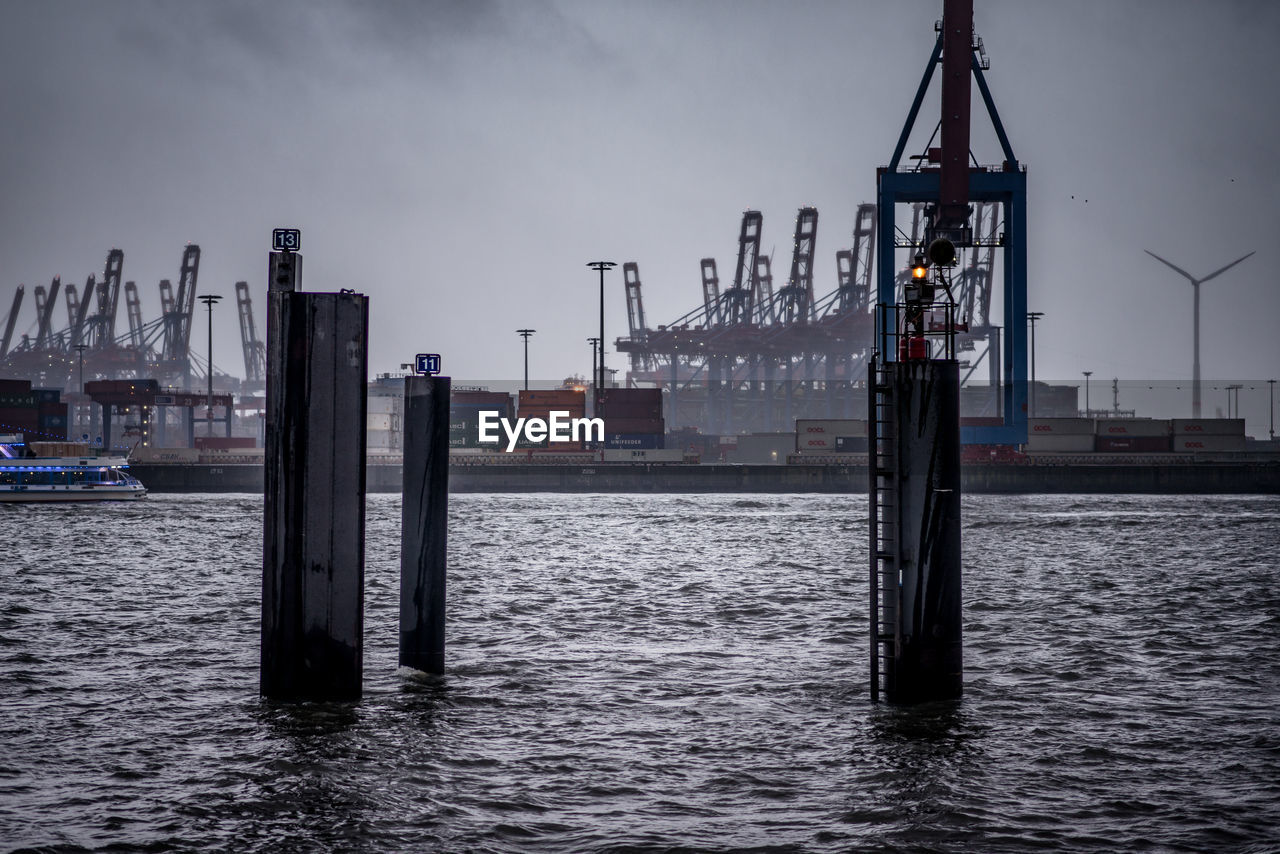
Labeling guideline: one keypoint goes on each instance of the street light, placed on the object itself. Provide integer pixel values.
(525, 333)
(1087, 374)
(1033, 316)
(594, 342)
(80, 348)
(1272, 385)
(1236, 389)
(601, 266)
(209, 301)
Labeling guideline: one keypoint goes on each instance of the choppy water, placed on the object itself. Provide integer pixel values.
(635, 673)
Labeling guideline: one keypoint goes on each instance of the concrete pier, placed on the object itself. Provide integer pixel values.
(424, 523)
(313, 526)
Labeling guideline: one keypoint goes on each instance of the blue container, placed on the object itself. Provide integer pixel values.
(635, 441)
(47, 395)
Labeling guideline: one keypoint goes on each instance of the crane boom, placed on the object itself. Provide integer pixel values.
(13, 319)
(45, 308)
(133, 309)
(254, 350)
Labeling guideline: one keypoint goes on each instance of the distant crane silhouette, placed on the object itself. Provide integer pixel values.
(1195, 284)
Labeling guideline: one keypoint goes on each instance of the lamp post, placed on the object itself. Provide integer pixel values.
(594, 342)
(1272, 386)
(1033, 316)
(601, 266)
(525, 333)
(1087, 374)
(1233, 388)
(80, 348)
(209, 301)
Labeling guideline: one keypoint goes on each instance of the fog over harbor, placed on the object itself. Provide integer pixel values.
(461, 162)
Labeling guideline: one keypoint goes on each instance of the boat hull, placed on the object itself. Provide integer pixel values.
(80, 494)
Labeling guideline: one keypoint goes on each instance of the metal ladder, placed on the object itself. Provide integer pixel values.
(883, 526)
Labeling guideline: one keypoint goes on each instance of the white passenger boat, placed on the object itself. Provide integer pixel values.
(67, 474)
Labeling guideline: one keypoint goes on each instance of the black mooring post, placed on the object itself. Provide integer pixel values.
(313, 513)
(424, 523)
(929, 662)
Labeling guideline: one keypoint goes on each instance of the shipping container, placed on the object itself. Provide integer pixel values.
(47, 395)
(17, 400)
(1122, 427)
(384, 404)
(145, 454)
(14, 386)
(648, 396)
(629, 411)
(50, 422)
(633, 425)
(499, 399)
(52, 408)
(25, 418)
(224, 443)
(1207, 443)
(1208, 427)
(831, 427)
(851, 444)
(384, 439)
(556, 396)
(1060, 427)
(378, 421)
(634, 440)
(1133, 444)
(643, 455)
(1061, 443)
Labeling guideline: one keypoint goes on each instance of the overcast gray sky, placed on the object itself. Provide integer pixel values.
(461, 162)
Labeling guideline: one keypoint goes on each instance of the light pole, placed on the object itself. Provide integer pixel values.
(601, 266)
(80, 348)
(525, 333)
(1272, 386)
(594, 342)
(1087, 374)
(1236, 389)
(1033, 316)
(209, 301)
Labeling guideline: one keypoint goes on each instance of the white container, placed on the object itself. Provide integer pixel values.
(378, 421)
(381, 403)
(381, 439)
(1060, 427)
(1122, 428)
(1207, 443)
(1208, 427)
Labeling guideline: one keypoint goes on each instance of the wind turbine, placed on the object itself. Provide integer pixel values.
(1195, 284)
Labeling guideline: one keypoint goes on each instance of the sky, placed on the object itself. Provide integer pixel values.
(461, 162)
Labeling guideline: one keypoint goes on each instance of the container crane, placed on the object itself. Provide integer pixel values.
(255, 350)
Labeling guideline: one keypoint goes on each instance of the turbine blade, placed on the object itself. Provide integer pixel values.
(1190, 277)
(1226, 268)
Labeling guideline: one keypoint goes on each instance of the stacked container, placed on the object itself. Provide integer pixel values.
(464, 416)
(831, 436)
(538, 403)
(1206, 435)
(1060, 436)
(632, 418)
(1132, 435)
(19, 408)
